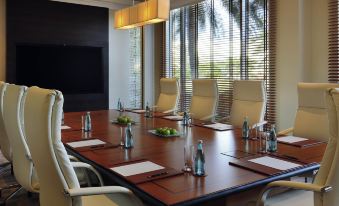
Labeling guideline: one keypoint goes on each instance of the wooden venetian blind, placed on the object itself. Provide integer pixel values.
(333, 73)
(224, 40)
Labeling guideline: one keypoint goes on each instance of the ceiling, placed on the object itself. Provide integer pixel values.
(118, 4)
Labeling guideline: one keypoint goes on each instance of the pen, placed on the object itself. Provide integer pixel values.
(157, 175)
(290, 157)
(97, 146)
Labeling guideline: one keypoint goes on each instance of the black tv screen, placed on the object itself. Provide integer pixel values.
(70, 69)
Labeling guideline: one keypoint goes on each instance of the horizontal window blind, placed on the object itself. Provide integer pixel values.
(333, 73)
(224, 40)
(135, 84)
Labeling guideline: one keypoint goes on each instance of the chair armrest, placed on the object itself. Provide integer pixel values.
(86, 191)
(72, 158)
(259, 124)
(168, 111)
(227, 118)
(291, 185)
(286, 131)
(89, 167)
(300, 186)
(208, 118)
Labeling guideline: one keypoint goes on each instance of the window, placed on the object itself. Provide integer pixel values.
(333, 72)
(224, 40)
(135, 88)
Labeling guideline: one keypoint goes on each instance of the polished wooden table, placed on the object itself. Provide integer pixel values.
(222, 178)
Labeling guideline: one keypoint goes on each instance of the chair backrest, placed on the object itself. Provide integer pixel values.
(42, 118)
(13, 119)
(169, 95)
(328, 174)
(5, 146)
(249, 99)
(204, 99)
(311, 119)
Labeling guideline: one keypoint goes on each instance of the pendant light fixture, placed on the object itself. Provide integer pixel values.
(147, 12)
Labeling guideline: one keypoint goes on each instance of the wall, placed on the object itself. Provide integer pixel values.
(302, 53)
(319, 18)
(119, 64)
(2, 40)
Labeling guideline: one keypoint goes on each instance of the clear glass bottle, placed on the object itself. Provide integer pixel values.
(199, 160)
(88, 122)
(186, 119)
(245, 129)
(119, 105)
(272, 140)
(148, 111)
(128, 137)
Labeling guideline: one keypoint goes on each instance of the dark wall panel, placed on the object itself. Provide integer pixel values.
(55, 23)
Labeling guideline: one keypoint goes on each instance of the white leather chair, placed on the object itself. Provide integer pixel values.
(311, 118)
(24, 172)
(249, 99)
(58, 183)
(204, 99)
(22, 164)
(326, 183)
(169, 95)
(4, 141)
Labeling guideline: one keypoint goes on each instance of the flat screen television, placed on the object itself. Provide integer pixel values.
(70, 69)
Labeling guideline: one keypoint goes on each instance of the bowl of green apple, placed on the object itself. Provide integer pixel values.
(123, 120)
(165, 132)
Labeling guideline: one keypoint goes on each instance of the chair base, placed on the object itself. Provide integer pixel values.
(16, 191)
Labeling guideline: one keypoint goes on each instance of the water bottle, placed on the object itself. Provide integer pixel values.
(186, 119)
(199, 161)
(148, 111)
(272, 140)
(128, 137)
(119, 105)
(245, 129)
(88, 123)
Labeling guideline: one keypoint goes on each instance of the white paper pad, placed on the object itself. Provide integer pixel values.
(139, 110)
(219, 126)
(65, 127)
(137, 168)
(291, 139)
(86, 143)
(274, 163)
(174, 117)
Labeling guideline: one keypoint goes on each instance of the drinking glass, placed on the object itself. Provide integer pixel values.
(122, 135)
(188, 158)
(82, 122)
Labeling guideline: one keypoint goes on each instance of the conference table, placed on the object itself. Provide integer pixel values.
(222, 148)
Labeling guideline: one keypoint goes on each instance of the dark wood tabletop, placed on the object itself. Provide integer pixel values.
(219, 146)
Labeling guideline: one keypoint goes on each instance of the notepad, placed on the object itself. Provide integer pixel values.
(174, 117)
(65, 127)
(291, 139)
(137, 168)
(86, 143)
(274, 163)
(219, 126)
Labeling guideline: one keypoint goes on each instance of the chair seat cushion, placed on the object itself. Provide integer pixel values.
(292, 198)
(110, 200)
